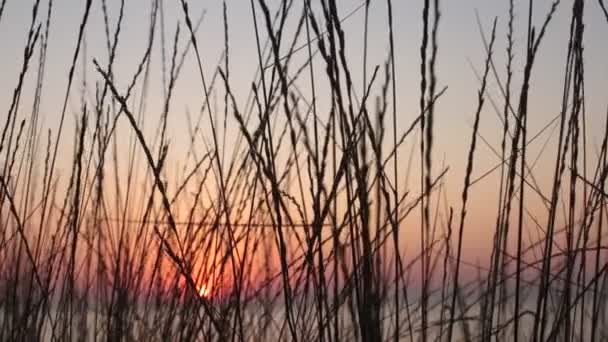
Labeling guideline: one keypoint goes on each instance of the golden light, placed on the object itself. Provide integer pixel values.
(203, 290)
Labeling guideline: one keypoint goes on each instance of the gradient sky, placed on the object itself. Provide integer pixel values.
(459, 39)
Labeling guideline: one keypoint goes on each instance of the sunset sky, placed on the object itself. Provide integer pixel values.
(460, 50)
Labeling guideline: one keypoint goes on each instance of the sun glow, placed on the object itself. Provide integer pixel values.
(203, 290)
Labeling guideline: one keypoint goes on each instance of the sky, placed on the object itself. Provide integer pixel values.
(461, 54)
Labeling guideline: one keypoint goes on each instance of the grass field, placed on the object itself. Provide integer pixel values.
(312, 201)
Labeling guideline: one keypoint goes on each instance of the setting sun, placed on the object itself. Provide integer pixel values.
(203, 290)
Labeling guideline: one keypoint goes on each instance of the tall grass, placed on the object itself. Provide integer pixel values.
(286, 219)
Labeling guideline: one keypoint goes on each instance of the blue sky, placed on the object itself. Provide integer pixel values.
(459, 39)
